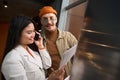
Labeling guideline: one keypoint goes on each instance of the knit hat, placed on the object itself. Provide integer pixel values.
(47, 9)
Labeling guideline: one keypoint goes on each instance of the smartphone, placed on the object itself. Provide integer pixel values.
(36, 36)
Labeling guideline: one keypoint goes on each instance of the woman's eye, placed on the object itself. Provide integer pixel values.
(29, 32)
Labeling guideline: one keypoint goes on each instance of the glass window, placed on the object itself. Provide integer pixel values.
(72, 16)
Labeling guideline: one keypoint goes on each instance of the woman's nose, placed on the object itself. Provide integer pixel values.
(33, 35)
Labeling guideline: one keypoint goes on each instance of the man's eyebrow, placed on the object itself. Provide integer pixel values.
(48, 16)
(44, 17)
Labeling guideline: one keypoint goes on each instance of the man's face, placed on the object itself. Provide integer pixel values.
(49, 21)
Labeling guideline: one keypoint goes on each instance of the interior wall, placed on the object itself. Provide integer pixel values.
(3, 36)
(75, 19)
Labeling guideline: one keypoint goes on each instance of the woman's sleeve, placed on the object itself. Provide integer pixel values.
(12, 68)
(46, 59)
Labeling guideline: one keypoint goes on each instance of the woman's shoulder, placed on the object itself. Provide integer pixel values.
(12, 56)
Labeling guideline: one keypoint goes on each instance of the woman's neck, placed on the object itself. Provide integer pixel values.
(24, 46)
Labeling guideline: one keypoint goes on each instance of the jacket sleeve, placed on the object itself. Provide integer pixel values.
(12, 68)
(46, 59)
(71, 39)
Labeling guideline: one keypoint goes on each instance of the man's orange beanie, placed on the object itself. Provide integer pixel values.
(47, 9)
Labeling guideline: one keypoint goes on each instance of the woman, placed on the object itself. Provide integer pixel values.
(20, 61)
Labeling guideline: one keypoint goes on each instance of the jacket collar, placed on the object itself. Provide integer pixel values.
(25, 54)
(59, 34)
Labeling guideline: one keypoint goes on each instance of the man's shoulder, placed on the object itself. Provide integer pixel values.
(64, 32)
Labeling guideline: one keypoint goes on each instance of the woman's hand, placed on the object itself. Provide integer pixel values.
(58, 74)
(39, 41)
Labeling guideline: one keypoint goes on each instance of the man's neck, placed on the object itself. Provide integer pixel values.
(52, 36)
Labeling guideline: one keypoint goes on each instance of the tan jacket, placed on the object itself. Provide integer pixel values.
(65, 41)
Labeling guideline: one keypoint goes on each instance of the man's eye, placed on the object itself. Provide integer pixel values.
(51, 18)
(44, 18)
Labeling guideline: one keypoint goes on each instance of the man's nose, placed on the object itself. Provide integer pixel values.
(49, 21)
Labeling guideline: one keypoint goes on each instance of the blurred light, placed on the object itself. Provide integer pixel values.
(5, 4)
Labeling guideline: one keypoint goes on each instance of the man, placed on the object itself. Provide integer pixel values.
(57, 41)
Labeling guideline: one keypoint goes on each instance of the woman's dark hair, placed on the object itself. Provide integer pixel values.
(17, 24)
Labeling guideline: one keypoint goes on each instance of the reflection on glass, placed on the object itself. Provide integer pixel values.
(98, 52)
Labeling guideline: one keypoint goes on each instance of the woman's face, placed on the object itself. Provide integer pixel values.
(27, 35)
